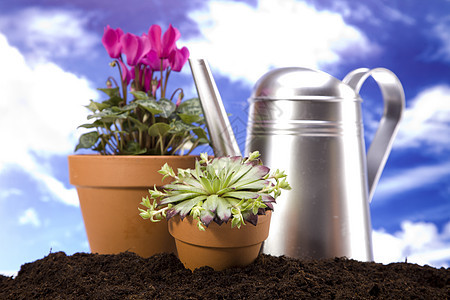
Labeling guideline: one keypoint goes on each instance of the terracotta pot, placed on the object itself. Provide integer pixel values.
(110, 189)
(219, 247)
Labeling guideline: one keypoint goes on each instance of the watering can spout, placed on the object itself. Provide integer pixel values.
(219, 128)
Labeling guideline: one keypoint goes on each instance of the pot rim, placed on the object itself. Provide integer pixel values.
(110, 171)
(218, 235)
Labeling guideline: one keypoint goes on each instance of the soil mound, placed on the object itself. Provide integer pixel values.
(163, 276)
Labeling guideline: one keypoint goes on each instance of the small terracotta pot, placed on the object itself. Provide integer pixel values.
(219, 247)
(110, 189)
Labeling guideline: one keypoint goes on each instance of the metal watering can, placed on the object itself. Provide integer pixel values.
(309, 124)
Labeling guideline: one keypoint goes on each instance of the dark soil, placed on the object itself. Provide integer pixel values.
(128, 276)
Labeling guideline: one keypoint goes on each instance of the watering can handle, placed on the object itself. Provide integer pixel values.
(394, 104)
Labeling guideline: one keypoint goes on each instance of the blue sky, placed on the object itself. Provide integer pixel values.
(52, 61)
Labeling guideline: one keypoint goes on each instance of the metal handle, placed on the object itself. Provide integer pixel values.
(394, 104)
(220, 131)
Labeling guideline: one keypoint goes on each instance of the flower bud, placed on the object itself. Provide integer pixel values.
(154, 87)
(180, 97)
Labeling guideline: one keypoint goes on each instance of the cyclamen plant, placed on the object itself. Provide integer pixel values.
(216, 190)
(147, 124)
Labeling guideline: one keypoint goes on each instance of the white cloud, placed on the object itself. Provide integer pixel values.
(441, 31)
(395, 15)
(244, 42)
(30, 217)
(50, 33)
(425, 126)
(419, 243)
(55, 187)
(10, 192)
(426, 122)
(410, 179)
(362, 13)
(41, 109)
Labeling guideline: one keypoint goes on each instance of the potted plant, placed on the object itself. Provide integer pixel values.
(137, 129)
(200, 200)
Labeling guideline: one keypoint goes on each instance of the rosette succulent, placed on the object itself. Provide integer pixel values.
(218, 189)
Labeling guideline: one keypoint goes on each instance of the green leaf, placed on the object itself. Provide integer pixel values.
(150, 105)
(241, 195)
(196, 210)
(198, 170)
(211, 203)
(241, 170)
(155, 193)
(184, 188)
(206, 184)
(178, 127)
(189, 119)
(87, 140)
(109, 114)
(110, 91)
(210, 171)
(95, 124)
(206, 216)
(252, 177)
(183, 208)
(167, 106)
(256, 185)
(177, 198)
(158, 129)
(140, 126)
(146, 202)
(191, 181)
(223, 209)
(139, 95)
(113, 101)
(167, 170)
(129, 107)
(216, 184)
(94, 106)
(201, 133)
(190, 107)
(236, 221)
(133, 148)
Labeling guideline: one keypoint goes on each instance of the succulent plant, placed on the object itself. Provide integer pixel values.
(218, 189)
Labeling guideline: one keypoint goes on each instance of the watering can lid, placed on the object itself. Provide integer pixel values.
(297, 83)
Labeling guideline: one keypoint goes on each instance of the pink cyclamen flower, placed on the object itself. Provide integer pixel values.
(178, 58)
(154, 62)
(126, 73)
(169, 39)
(111, 41)
(163, 47)
(148, 73)
(134, 47)
(154, 35)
